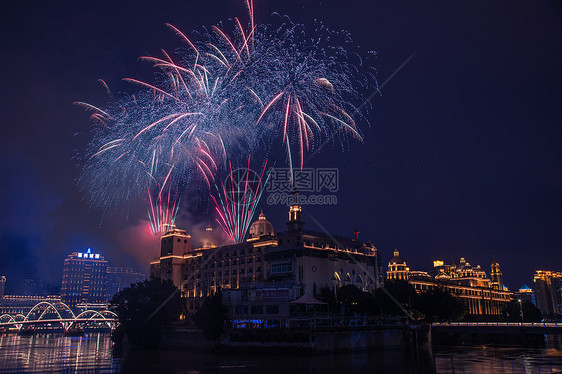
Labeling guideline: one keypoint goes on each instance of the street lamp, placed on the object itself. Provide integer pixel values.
(521, 311)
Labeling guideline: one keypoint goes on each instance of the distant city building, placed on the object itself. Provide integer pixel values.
(84, 280)
(2, 286)
(397, 269)
(548, 291)
(22, 304)
(481, 295)
(295, 259)
(120, 278)
(525, 293)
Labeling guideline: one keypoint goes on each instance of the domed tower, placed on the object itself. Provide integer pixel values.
(496, 276)
(261, 227)
(397, 268)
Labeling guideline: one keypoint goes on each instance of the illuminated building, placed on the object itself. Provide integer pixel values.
(260, 228)
(525, 293)
(481, 295)
(2, 286)
(84, 280)
(120, 278)
(293, 259)
(397, 269)
(548, 291)
(175, 245)
(496, 275)
(22, 304)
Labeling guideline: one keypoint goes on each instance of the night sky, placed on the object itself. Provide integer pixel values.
(462, 158)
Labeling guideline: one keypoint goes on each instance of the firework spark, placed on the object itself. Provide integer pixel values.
(234, 90)
(237, 199)
(163, 212)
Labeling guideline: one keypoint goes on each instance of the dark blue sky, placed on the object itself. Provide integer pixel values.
(462, 158)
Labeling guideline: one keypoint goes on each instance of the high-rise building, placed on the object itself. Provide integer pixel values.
(548, 291)
(2, 286)
(84, 280)
(120, 278)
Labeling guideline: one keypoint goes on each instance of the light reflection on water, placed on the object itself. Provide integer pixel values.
(55, 353)
(51, 353)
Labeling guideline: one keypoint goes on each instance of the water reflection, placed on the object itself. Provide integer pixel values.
(53, 353)
(497, 360)
(93, 354)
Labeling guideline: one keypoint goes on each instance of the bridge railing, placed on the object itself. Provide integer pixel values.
(498, 324)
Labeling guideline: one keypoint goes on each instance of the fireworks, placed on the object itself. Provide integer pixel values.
(231, 91)
(237, 199)
(163, 212)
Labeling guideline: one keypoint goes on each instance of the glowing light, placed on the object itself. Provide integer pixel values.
(236, 202)
(236, 90)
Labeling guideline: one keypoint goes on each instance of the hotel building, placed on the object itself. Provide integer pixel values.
(293, 263)
(84, 280)
(480, 294)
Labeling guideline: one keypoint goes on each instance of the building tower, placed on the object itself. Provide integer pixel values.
(84, 280)
(397, 269)
(174, 245)
(295, 222)
(496, 276)
(260, 228)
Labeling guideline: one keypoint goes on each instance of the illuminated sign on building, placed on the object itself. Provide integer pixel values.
(89, 255)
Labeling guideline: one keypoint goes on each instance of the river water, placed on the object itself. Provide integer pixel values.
(93, 353)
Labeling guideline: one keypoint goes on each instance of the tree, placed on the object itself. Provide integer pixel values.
(439, 305)
(397, 294)
(350, 300)
(530, 312)
(143, 307)
(211, 316)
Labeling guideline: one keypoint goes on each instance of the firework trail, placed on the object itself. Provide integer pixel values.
(232, 90)
(163, 212)
(237, 200)
(308, 84)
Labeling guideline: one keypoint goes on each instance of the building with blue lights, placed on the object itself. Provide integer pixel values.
(84, 280)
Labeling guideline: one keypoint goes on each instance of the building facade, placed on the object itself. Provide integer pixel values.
(84, 280)
(481, 295)
(297, 257)
(548, 292)
(22, 304)
(119, 278)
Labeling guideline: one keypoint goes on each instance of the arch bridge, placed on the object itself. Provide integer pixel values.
(46, 313)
